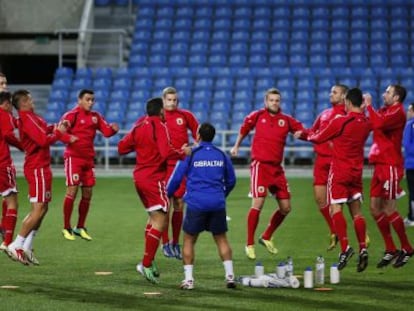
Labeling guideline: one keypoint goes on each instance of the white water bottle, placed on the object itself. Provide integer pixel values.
(308, 278)
(320, 271)
(281, 270)
(334, 274)
(289, 266)
(258, 269)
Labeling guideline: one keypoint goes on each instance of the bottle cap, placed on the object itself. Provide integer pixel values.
(308, 269)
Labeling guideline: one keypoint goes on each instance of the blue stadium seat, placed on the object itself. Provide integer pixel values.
(163, 23)
(159, 47)
(202, 24)
(137, 60)
(157, 59)
(203, 11)
(183, 83)
(203, 83)
(264, 83)
(300, 35)
(221, 24)
(305, 82)
(378, 59)
(100, 106)
(281, 11)
(220, 35)
(222, 94)
(399, 47)
(319, 24)
(241, 25)
(399, 60)
(237, 60)
(358, 60)
(146, 10)
(338, 59)
(378, 46)
(177, 59)
(183, 23)
(56, 105)
(139, 47)
(122, 72)
(359, 35)
(242, 13)
(144, 35)
(103, 72)
(222, 106)
(399, 34)
(184, 11)
(121, 95)
(282, 24)
(219, 47)
(298, 59)
(359, 11)
(100, 95)
(238, 116)
(260, 24)
(202, 97)
(102, 83)
(116, 116)
(298, 46)
(140, 95)
(61, 83)
(261, 12)
(399, 12)
(379, 35)
(378, 12)
(300, 24)
(81, 83)
(279, 35)
(63, 72)
(320, 12)
(243, 107)
(84, 72)
(359, 24)
(339, 36)
(368, 83)
(278, 60)
(238, 47)
(160, 83)
(122, 83)
(201, 36)
(259, 37)
(318, 47)
(218, 60)
(257, 60)
(244, 83)
(340, 24)
(133, 115)
(223, 83)
(278, 47)
(179, 48)
(181, 36)
(143, 82)
(325, 83)
(117, 105)
(243, 95)
(165, 11)
(349, 81)
(199, 47)
(138, 105)
(51, 116)
(340, 11)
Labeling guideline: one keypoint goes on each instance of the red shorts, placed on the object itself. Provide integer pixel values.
(7, 180)
(152, 193)
(179, 193)
(268, 176)
(321, 170)
(385, 182)
(344, 186)
(40, 184)
(79, 171)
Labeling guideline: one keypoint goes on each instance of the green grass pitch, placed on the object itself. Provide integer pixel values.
(66, 278)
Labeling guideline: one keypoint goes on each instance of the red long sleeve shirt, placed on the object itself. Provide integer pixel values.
(270, 135)
(388, 123)
(36, 137)
(84, 124)
(178, 122)
(7, 137)
(149, 138)
(321, 122)
(348, 134)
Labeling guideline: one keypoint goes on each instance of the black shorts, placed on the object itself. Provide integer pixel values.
(196, 221)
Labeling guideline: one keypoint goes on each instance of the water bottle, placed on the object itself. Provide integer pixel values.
(320, 271)
(308, 278)
(289, 267)
(334, 274)
(281, 270)
(258, 269)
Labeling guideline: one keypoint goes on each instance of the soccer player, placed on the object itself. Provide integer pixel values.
(323, 156)
(150, 140)
(386, 156)
(36, 137)
(210, 178)
(83, 123)
(271, 129)
(408, 143)
(8, 187)
(347, 134)
(178, 122)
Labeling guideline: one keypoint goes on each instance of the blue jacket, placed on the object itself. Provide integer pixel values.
(210, 178)
(408, 144)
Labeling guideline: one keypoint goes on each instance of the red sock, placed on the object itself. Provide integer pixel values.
(147, 229)
(83, 211)
(327, 215)
(385, 230)
(360, 230)
(67, 211)
(177, 222)
(165, 237)
(397, 223)
(151, 245)
(275, 221)
(252, 221)
(9, 225)
(3, 213)
(340, 228)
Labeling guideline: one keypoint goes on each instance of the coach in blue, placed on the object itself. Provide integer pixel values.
(210, 178)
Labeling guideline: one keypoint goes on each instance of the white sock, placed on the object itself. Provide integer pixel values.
(188, 272)
(28, 244)
(18, 242)
(228, 268)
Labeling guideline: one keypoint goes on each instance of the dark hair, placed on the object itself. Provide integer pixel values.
(354, 95)
(400, 91)
(207, 132)
(154, 106)
(2, 74)
(18, 96)
(5, 96)
(85, 91)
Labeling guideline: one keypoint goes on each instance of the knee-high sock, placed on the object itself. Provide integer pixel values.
(385, 230)
(397, 223)
(83, 211)
(327, 216)
(275, 221)
(360, 230)
(177, 222)
(151, 244)
(67, 211)
(252, 221)
(147, 229)
(9, 224)
(340, 228)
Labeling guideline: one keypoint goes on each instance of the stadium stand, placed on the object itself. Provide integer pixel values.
(223, 53)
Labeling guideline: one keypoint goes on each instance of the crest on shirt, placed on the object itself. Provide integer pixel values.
(281, 123)
(75, 177)
(94, 119)
(179, 121)
(48, 195)
(261, 189)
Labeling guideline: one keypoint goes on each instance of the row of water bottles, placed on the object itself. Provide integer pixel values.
(319, 278)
